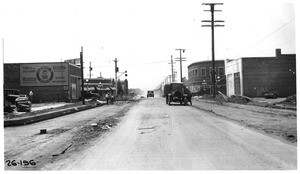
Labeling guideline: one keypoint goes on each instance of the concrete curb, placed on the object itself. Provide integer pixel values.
(46, 116)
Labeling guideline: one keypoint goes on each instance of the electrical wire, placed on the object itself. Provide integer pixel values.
(266, 37)
(135, 64)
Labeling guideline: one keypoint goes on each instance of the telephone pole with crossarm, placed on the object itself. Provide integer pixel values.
(213, 25)
(180, 59)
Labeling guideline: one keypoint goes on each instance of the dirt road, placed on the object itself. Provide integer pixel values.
(65, 136)
(155, 136)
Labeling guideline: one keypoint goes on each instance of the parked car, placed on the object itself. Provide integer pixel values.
(20, 102)
(8, 107)
(14, 100)
(23, 104)
(270, 95)
(178, 92)
(150, 94)
(91, 95)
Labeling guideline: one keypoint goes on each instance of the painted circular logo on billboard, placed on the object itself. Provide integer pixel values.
(44, 74)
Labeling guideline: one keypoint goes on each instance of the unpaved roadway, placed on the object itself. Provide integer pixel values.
(155, 136)
(65, 136)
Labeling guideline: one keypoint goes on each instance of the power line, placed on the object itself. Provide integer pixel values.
(266, 37)
(135, 64)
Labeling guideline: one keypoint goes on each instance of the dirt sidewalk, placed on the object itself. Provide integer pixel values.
(278, 123)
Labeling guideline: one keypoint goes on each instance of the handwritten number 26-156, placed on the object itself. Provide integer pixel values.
(21, 162)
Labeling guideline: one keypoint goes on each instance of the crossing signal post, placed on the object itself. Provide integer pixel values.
(213, 25)
(116, 76)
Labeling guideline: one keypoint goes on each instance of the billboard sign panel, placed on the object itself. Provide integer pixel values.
(47, 74)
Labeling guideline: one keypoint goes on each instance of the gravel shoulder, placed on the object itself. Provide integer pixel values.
(277, 123)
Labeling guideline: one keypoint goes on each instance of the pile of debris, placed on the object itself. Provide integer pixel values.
(291, 100)
(233, 99)
(239, 99)
(218, 98)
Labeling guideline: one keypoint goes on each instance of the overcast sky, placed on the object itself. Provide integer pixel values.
(142, 34)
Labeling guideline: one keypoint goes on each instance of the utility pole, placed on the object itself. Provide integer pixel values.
(3, 51)
(3, 61)
(175, 75)
(180, 59)
(172, 69)
(213, 25)
(116, 77)
(82, 78)
(90, 69)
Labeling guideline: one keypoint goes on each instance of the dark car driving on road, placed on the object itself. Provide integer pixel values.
(150, 94)
(178, 92)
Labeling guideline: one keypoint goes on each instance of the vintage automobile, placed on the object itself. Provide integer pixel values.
(14, 100)
(23, 104)
(91, 95)
(178, 92)
(150, 94)
(20, 102)
(270, 95)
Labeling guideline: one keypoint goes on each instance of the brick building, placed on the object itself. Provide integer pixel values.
(55, 81)
(200, 79)
(254, 76)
